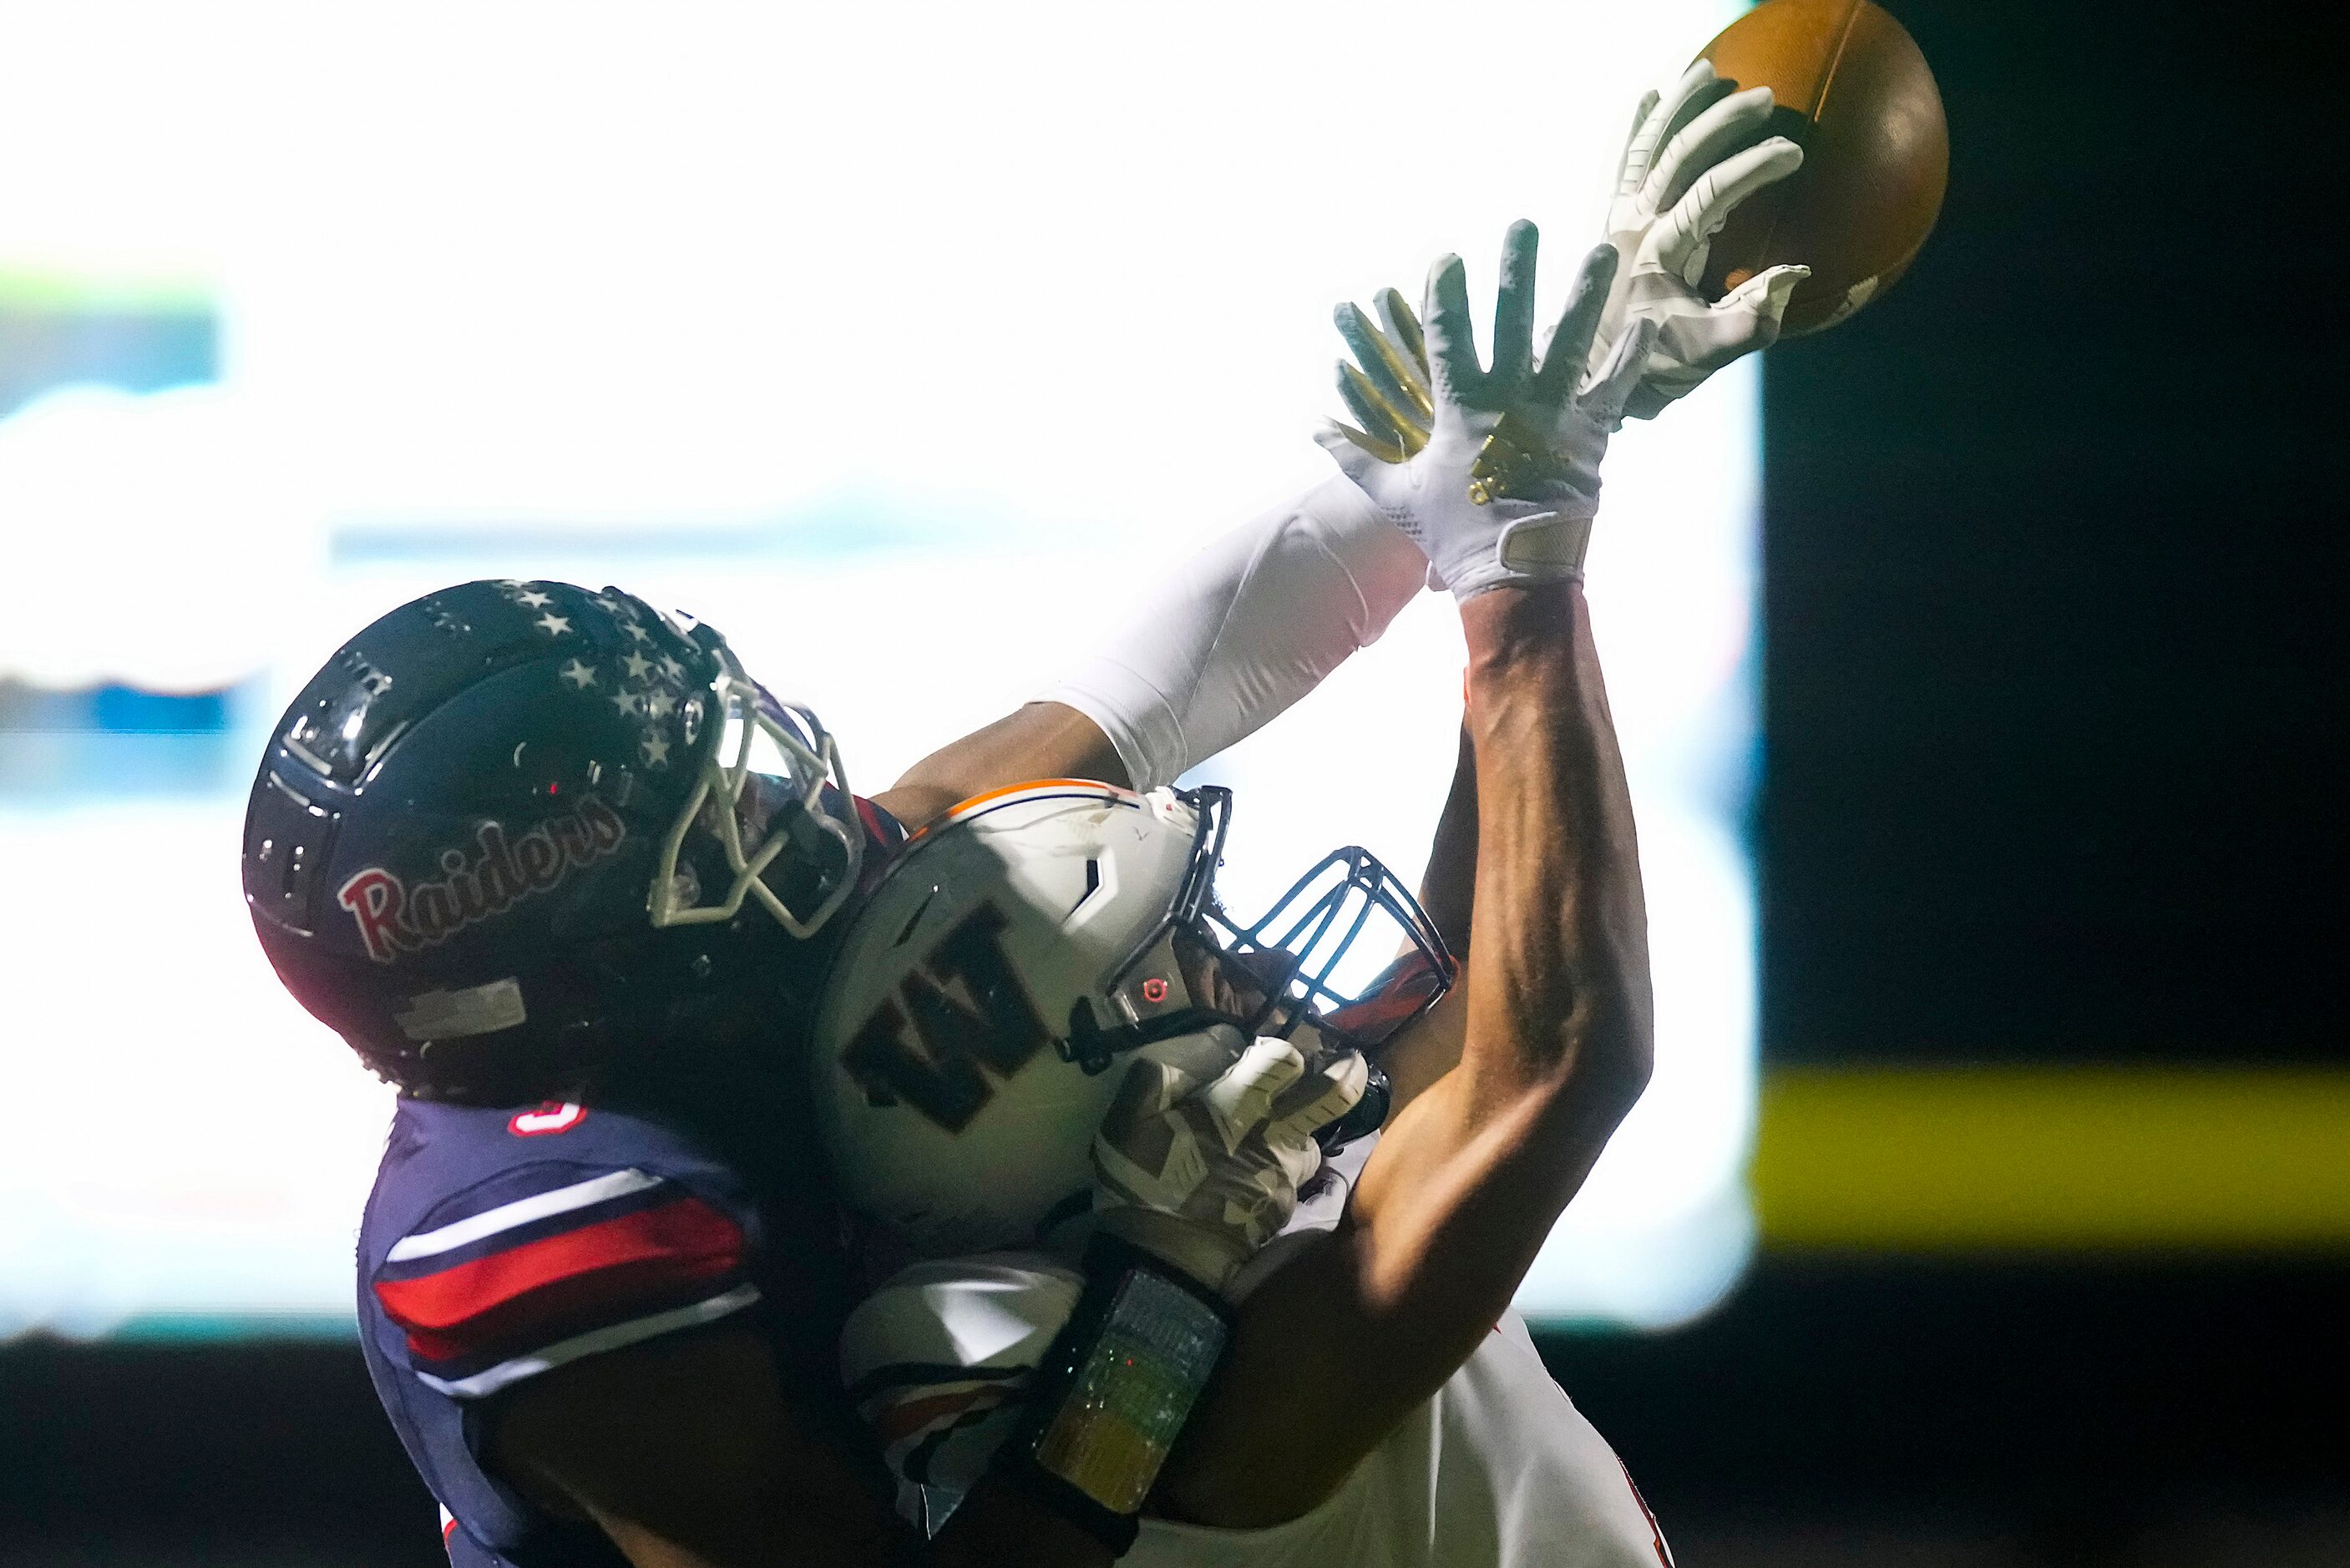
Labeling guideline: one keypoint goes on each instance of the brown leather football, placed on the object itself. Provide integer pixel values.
(1852, 90)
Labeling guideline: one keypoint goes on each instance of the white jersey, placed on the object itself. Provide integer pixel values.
(1498, 1470)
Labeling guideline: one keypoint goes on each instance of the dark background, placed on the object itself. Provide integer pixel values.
(2055, 560)
(2055, 715)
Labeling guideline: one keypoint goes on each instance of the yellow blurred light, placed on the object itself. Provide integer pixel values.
(2053, 1159)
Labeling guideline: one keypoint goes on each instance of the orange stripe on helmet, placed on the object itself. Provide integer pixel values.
(963, 809)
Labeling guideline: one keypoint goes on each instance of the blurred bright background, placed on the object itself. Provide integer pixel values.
(907, 347)
(1980, 671)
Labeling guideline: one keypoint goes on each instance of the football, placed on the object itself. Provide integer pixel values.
(1852, 90)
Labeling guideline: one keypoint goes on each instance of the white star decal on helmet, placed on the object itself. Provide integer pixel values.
(656, 749)
(660, 704)
(639, 632)
(637, 664)
(673, 669)
(578, 674)
(553, 625)
(535, 599)
(626, 701)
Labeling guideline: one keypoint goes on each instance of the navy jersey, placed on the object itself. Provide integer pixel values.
(499, 1244)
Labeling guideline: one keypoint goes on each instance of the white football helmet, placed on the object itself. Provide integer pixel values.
(1023, 944)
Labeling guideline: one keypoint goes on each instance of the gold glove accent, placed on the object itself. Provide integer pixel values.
(1513, 461)
(1403, 331)
(1378, 413)
(1388, 395)
(1378, 447)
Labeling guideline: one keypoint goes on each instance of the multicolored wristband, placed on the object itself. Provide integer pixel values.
(1112, 1393)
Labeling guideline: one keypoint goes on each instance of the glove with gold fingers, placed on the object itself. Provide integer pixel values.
(1492, 471)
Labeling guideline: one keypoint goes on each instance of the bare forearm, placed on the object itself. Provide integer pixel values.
(1448, 888)
(1039, 741)
(1555, 1028)
(1470, 1177)
(1430, 1048)
(1558, 974)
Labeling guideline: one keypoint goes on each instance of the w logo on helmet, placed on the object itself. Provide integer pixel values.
(1000, 1030)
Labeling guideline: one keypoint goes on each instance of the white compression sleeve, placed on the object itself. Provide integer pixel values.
(1244, 629)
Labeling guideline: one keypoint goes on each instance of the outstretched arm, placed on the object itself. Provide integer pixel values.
(1469, 1178)
(1035, 740)
(1430, 1047)
(1227, 642)
(1448, 888)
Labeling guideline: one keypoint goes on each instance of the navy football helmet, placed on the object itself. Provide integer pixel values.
(513, 826)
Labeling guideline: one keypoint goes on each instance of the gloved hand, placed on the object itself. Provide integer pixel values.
(1691, 159)
(1493, 473)
(1199, 1160)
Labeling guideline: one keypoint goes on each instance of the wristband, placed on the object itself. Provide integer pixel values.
(1114, 1391)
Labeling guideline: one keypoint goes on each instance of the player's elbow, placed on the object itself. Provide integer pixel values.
(1578, 1031)
(1621, 1078)
(1610, 1049)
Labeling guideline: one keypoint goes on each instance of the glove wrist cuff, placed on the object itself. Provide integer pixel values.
(1545, 547)
(1206, 1260)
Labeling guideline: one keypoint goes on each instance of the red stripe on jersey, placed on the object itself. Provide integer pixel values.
(562, 1284)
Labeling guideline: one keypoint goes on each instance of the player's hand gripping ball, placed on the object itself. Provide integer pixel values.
(1852, 89)
(1694, 156)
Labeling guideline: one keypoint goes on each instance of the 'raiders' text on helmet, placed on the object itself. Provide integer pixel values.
(512, 822)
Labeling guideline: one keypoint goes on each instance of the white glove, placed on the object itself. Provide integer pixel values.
(1199, 1158)
(1672, 196)
(1493, 473)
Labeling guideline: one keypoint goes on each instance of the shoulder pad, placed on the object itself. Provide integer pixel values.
(996, 1312)
(936, 1363)
(540, 1260)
